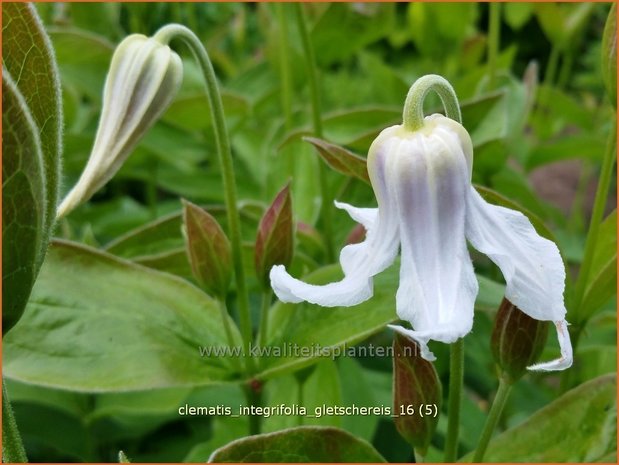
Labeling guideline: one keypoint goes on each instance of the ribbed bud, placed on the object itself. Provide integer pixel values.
(274, 241)
(609, 55)
(143, 79)
(208, 249)
(517, 340)
(417, 394)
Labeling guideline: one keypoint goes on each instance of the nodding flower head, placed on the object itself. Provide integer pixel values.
(427, 208)
(143, 79)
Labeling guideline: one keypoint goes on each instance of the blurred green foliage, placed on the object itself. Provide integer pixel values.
(543, 120)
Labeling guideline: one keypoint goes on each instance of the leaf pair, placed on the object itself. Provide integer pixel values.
(208, 247)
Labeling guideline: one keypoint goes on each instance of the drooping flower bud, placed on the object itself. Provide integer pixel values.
(517, 340)
(208, 249)
(609, 55)
(144, 77)
(417, 394)
(274, 242)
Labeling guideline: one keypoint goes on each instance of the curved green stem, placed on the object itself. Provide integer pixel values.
(493, 418)
(413, 107)
(456, 378)
(599, 206)
(12, 447)
(310, 62)
(222, 141)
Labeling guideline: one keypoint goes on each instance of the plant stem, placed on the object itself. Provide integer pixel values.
(456, 377)
(284, 66)
(310, 62)
(494, 39)
(264, 317)
(12, 447)
(493, 418)
(222, 142)
(599, 205)
(412, 115)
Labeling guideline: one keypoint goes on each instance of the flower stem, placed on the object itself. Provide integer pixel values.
(310, 62)
(494, 38)
(12, 447)
(456, 377)
(222, 141)
(264, 317)
(599, 205)
(493, 418)
(413, 107)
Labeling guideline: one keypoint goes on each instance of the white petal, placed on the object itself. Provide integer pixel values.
(531, 265)
(437, 283)
(566, 351)
(366, 216)
(360, 262)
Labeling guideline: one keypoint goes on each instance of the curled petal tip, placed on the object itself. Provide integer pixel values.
(566, 359)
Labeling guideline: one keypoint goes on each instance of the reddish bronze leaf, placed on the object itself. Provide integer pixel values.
(208, 249)
(341, 159)
(274, 241)
(517, 340)
(417, 394)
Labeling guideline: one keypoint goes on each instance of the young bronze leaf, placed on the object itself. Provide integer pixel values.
(340, 159)
(274, 241)
(208, 249)
(517, 340)
(416, 394)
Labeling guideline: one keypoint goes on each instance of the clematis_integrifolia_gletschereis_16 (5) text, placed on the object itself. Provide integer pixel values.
(427, 207)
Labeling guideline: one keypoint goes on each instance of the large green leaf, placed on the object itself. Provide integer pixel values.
(580, 426)
(303, 444)
(28, 55)
(24, 202)
(97, 323)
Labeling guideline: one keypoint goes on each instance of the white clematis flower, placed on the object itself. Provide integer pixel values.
(428, 208)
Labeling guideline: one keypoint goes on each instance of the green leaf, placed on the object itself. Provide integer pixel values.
(24, 202)
(340, 159)
(517, 14)
(320, 386)
(83, 59)
(357, 390)
(602, 278)
(96, 323)
(352, 28)
(303, 444)
(28, 56)
(580, 426)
